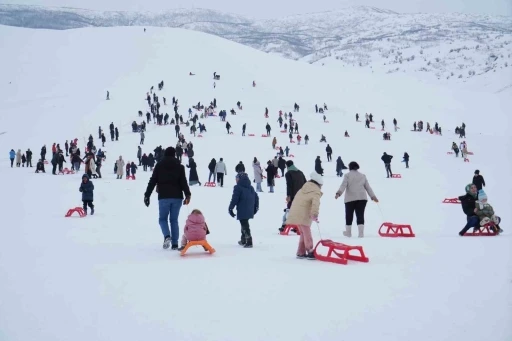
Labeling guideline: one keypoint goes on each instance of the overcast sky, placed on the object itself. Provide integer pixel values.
(277, 8)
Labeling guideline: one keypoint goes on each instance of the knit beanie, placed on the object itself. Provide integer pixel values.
(317, 178)
(170, 151)
(241, 175)
(481, 195)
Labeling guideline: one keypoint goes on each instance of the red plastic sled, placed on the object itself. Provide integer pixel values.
(199, 135)
(449, 153)
(264, 135)
(79, 210)
(342, 257)
(288, 228)
(66, 171)
(283, 131)
(291, 155)
(251, 134)
(396, 176)
(470, 153)
(130, 177)
(483, 231)
(396, 230)
(292, 141)
(451, 201)
(210, 184)
(231, 133)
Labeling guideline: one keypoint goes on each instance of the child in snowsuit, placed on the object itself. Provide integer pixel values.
(195, 229)
(485, 212)
(87, 189)
(128, 167)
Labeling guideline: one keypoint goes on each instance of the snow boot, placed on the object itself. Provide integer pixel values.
(301, 256)
(248, 243)
(310, 255)
(348, 231)
(167, 242)
(92, 211)
(174, 247)
(360, 229)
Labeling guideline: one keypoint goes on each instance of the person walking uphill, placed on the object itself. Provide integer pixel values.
(387, 163)
(355, 185)
(246, 201)
(295, 179)
(12, 155)
(171, 182)
(87, 189)
(478, 180)
(303, 211)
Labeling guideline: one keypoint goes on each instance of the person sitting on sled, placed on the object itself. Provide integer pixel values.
(485, 212)
(195, 229)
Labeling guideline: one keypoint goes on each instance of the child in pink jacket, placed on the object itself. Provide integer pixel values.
(195, 228)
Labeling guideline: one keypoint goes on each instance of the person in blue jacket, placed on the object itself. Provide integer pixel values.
(247, 205)
(12, 155)
(87, 189)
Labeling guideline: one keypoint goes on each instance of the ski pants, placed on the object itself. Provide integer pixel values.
(88, 203)
(246, 230)
(357, 206)
(220, 179)
(305, 240)
(388, 169)
(169, 211)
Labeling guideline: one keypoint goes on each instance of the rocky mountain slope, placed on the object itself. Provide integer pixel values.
(443, 46)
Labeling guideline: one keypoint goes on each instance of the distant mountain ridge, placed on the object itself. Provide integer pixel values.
(359, 36)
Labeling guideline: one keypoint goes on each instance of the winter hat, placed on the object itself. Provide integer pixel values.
(85, 176)
(477, 172)
(170, 151)
(481, 195)
(317, 178)
(289, 163)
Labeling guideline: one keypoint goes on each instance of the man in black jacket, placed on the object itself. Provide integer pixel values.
(240, 168)
(468, 202)
(171, 182)
(295, 179)
(478, 180)
(387, 163)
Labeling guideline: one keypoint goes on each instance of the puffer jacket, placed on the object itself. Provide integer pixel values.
(195, 227)
(87, 189)
(12, 154)
(258, 172)
(355, 185)
(305, 205)
(485, 212)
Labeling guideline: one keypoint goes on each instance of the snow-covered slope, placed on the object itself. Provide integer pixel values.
(106, 277)
(451, 47)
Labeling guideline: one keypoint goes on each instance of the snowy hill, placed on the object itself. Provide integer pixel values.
(447, 47)
(105, 277)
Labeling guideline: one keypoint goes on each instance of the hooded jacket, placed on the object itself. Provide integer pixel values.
(195, 227)
(244, 198)
(258, 172)
(305, 205)
(87, 189)
(295, 179)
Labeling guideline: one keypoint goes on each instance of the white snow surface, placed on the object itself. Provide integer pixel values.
(106, 277)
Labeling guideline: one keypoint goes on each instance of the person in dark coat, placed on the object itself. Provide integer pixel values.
(468, 202)
(478, 180)
(318, 166)
(151, 161)
(240, 168)
(211, 168)
(117, 133)
(281, 164)
(328, 150)
(271, 173)
(246, 201)
(144, 159)
(387, 163)
(87, 189)
(295, 179)
(133, 168)
(43, 152)
(40, 166)
(340, 166)
(406, 160)
(29, 157)
(179, 153)
(193, 177)
(171, 182)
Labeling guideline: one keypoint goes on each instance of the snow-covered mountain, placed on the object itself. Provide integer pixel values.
(451, 47)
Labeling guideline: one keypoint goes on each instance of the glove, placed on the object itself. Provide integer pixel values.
(186, 201)
(146, 201)
(232, 214)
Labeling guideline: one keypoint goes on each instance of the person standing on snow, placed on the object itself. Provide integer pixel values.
(211, 168)
(318, 166)
(281, 164)
(193, 177)
(12, 155)
(406, 160)
(171, 182)
(87, 190)
(142, 136)
(246, 201)
(303, 211)
(120, 167)
(328, 150)
(258, 174)
(271, 173)
(478, 180)
(295, 179)
(18, 158)
(29, 157)
(340, 166)
(387, 163)
(356, 186)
